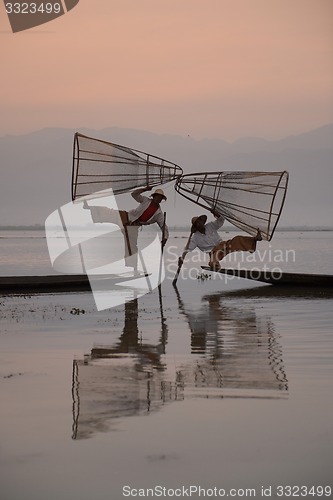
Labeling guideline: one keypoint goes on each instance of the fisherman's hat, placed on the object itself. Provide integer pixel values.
(160, 192)
(194, 220)
(203, 217)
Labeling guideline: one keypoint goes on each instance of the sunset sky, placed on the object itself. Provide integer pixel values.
(204, 68)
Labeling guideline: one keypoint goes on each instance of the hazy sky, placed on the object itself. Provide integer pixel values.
(204, 68)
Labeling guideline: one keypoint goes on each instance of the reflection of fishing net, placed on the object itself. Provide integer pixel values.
(100, 165)
(107, 389)
(249, 200)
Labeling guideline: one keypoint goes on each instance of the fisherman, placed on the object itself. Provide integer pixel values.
(206, 238)
(147, 212)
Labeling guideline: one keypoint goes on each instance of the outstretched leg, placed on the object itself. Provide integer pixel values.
(120, 218)
(236, 244)
(131, 245)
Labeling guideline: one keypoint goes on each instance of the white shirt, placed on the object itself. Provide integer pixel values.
(206, 242)
(157, 217)
(105, 214)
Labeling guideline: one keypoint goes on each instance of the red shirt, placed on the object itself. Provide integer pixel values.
(148, 213)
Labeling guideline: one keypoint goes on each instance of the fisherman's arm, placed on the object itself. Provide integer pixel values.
(137, 194)
(216, 224)
(164, 228)
(191, 246)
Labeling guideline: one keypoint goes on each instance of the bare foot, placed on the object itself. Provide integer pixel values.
(215, 266)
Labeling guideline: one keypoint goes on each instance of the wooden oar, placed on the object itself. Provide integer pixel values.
(183, 257)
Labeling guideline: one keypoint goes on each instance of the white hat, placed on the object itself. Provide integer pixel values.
(160, 192)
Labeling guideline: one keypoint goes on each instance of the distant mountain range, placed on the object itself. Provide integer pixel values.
(36, 170)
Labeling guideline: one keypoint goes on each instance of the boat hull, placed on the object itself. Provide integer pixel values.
(279, 278)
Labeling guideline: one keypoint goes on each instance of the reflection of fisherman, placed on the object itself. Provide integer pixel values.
(206, 238)
(147, 212)
(237, 348)
(130, 342)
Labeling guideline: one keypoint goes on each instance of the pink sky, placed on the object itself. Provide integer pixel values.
(207, 68)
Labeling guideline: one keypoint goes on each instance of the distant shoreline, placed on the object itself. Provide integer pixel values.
(38, 227)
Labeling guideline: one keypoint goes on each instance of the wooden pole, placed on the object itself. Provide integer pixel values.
(161, 260)
(163, 230)
(181, 263)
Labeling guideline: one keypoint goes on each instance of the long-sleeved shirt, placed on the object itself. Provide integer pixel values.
(206, 242)
(144, 203)
(105, 214)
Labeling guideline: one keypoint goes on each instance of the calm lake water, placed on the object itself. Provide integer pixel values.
(223, 385)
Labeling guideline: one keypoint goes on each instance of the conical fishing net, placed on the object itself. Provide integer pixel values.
(249, 200)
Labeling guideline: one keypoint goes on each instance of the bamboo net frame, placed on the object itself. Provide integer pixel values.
(100, 165)
(249, 200)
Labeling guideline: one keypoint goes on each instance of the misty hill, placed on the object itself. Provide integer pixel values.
(36, 170)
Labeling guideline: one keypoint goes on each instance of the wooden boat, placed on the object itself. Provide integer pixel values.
(279, 278)
(58, 283)
(52, 283)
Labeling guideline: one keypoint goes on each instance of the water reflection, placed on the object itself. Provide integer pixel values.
(148, 356)
(239, 350)
(231, 352)
(120, 380)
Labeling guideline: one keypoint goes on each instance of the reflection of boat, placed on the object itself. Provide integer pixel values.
(232, 352)
(287, 292)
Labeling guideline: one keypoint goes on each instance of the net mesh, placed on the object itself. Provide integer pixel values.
(249, 200)
(99, 165)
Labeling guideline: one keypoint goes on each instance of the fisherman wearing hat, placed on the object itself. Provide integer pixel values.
(206, 238)
(147, 212)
